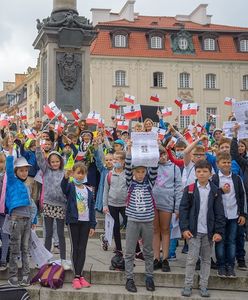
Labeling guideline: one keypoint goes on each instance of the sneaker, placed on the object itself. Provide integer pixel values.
(84, 283)
(150, 284)
(241, 265)
(221, 272)
(187, 291)
(165, 266)
(213, 264)
(204, 293)
(157, 264)
(185, 249)
(104, 243)
(198, 265)
(139, 256)
(130, 286)
(76, 284)
(3, 266)
(172, 258)
(56, 250)
(25, 281)
(230, 273)
(66, 264)
(13, 281)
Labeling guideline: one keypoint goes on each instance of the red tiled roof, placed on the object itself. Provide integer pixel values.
(138, 46)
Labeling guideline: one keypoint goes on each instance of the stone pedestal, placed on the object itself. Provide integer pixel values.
(64, 41)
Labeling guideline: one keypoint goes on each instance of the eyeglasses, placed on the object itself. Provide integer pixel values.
(199, 154)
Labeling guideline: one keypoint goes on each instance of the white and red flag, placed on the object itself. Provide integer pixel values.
(129, 98)
(155, 98)
(229, 101)
(189, 109)
(29, 133)
(77, 115)
(179, 102)
(51, 110)
(114, 105)
(80, 155)
(189, 137)
(4, 120)
(62, 118)
(123, 125)
(132, 112)
(23, 116)
(93, 118)
(167, 111)
(161, 132)
(101, 123)
(119, 118)
(59, 127)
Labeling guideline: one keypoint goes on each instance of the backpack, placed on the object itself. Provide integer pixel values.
(109, 176)
(117, 262)
(13, 293)
(50, 275)
(191, 189)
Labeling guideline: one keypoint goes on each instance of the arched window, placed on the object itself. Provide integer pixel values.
(184, 80)
(156, 42)
(158, 79)
(120, 78)
(210, 81)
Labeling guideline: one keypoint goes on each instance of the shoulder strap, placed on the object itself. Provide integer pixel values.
(54, 270)
(39, 274)
(109, 176)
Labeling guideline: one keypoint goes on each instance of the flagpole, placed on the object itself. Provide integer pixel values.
(49, 123)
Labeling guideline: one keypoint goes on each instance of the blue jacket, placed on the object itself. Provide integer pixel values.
(17, 193)
(103, 171)
(31, 159)
(69, 190)
(190, 206)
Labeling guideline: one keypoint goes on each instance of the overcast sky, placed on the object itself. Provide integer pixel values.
(18, 25)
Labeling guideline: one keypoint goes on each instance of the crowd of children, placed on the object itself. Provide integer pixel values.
(65, 177)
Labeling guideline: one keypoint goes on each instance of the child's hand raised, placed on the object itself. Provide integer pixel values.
(187, 235)
(68, 174)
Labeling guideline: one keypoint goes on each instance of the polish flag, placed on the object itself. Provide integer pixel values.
(179, 102)
(62, 118)
(93, 118)
(123, 125)
(4, 120)
(155, 98)
(199, 128)
(23, 116)
(76, 123)
(173, 142)
(129, 98)
(188, 136)
(119, 118)
(51, 110)
(77, 115)
(132, 112)
(59, 127)
(80, 156)
(114, 105)
(100, 123)
(229, 101)
(167, 111)
(189, 109)
(161, 132)
(29, 133)
(42, 143)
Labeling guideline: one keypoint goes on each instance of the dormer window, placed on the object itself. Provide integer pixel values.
(119, 38)
(243, 45)
(156, 42)
(209, 44)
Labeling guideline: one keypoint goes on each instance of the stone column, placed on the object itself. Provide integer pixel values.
(59, 5)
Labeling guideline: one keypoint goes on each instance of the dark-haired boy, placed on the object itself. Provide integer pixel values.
(233, 201)
(202, 222)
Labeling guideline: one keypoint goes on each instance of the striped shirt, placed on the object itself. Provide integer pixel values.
(140, 206)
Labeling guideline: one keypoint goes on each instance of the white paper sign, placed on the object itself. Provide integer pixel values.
(144, 150)
(40, 255)
(109, 225)
(241, 111)
(228, 129)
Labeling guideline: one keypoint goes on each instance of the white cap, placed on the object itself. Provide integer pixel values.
(21, 162)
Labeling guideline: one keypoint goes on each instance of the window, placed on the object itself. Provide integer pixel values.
(244, 45)
(245, 82)
(211, 111)
(184, 80)
(184, 121)
(120, 78)
(209, 44)
(210, 81)
(120, 41)
(183, 44)
(156, 42)
(158, 79)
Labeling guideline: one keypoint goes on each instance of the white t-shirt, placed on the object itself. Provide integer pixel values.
(188, 176)
(203, 212)
(82, 203)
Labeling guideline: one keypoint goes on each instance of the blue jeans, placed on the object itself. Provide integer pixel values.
(240, 243)
(225, 250)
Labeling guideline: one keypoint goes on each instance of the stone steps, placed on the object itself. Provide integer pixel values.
(114, 292)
